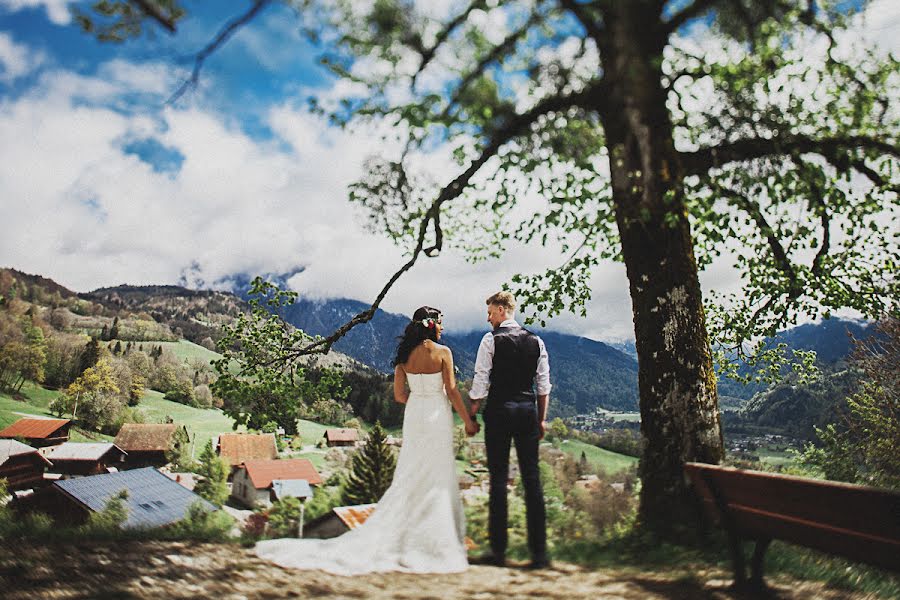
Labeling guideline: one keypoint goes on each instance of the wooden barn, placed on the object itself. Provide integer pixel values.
(74, 458)
(341, 437)
(21, 465)
(237, 448)
(151, 444)
(38, 432)
(338, 521)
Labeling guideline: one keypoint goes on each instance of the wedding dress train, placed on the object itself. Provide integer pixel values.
(418, 525)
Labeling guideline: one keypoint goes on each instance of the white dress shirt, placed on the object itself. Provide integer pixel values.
(484, 362)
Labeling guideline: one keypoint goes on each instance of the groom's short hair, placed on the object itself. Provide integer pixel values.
(504, 300)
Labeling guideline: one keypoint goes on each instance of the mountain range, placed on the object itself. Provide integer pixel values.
(586, 373)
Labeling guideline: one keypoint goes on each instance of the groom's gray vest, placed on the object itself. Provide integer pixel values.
(516, 353)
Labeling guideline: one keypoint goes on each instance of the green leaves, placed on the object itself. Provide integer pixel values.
(118, 20)
(260, 379)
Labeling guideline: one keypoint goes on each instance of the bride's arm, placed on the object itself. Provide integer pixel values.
(400, 393)
(453, 392)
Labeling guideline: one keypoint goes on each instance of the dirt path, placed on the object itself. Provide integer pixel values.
(224, 572)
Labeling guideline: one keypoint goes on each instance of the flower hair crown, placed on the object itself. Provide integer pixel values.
(429, 323)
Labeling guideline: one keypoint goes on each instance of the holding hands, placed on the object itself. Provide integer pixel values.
(472, 427)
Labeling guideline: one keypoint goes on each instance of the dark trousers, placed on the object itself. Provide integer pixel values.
(501, 427)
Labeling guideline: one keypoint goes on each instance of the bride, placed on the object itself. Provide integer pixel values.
(418, 525)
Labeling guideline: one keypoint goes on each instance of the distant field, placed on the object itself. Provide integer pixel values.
(610, 462)
(776, 458)
(186, 350)
(634, 417)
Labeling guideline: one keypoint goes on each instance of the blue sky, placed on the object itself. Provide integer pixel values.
(103, 183)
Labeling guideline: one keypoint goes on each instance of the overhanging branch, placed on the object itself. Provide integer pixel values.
(224, 34)
(516, 126)
(701, 161)
(152, 10)
(444, 34)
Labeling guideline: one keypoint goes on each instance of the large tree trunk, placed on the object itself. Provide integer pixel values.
(678, 398)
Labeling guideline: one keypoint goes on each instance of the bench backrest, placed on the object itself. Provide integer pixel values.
(857, 522)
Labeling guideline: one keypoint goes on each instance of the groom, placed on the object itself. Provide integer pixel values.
(511, 363)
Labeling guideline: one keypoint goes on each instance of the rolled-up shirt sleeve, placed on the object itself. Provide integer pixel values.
(542, 377)
(484, 361)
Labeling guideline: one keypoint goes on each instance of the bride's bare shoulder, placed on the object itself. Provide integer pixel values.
(435, 347)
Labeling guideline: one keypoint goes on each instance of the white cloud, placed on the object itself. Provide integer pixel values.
(15, 59)
(57, 10)
(80, 209)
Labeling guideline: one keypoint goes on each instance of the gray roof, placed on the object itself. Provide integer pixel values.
(80, 450)
(153, 499)
(10, 448)
(298, 488)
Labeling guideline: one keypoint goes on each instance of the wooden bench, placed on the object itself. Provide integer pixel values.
(853, 521)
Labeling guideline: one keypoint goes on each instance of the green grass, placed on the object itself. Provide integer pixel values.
(186, 350)
(36, 401)
(202, 423)
(310, 432)
(610, 462)
(777, 458)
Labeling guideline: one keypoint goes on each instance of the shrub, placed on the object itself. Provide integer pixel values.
(201, 525)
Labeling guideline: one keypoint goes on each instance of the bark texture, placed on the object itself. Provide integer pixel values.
(678, 398)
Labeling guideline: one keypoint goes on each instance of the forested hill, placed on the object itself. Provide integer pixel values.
(830, 339)
(586, 373)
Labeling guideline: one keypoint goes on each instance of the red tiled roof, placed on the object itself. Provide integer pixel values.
(342, 435)
(142, 436)
(262, 472)
(236, 448)
(33, 428)
(354, 516)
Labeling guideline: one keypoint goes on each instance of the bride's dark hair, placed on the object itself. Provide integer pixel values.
(421, 328)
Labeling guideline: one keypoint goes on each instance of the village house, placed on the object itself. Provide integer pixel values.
(151, 444)
(21, 465)
(93, 458)
(338, 521)
(253, 481)
(151, 498)
(237, 448)
(341, 437)
(38, 432)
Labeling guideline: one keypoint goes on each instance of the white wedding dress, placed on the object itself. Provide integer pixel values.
(418, 525)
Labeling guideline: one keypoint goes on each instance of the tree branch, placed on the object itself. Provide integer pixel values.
(224, 34)
(152, 10)
(496, 52)
(444, 34)
(513, 128)
(701, 161)
(752, 209)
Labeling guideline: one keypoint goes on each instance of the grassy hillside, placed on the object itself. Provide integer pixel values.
(35, 403)
(186, 350)
(610, 462)
(204, 423)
